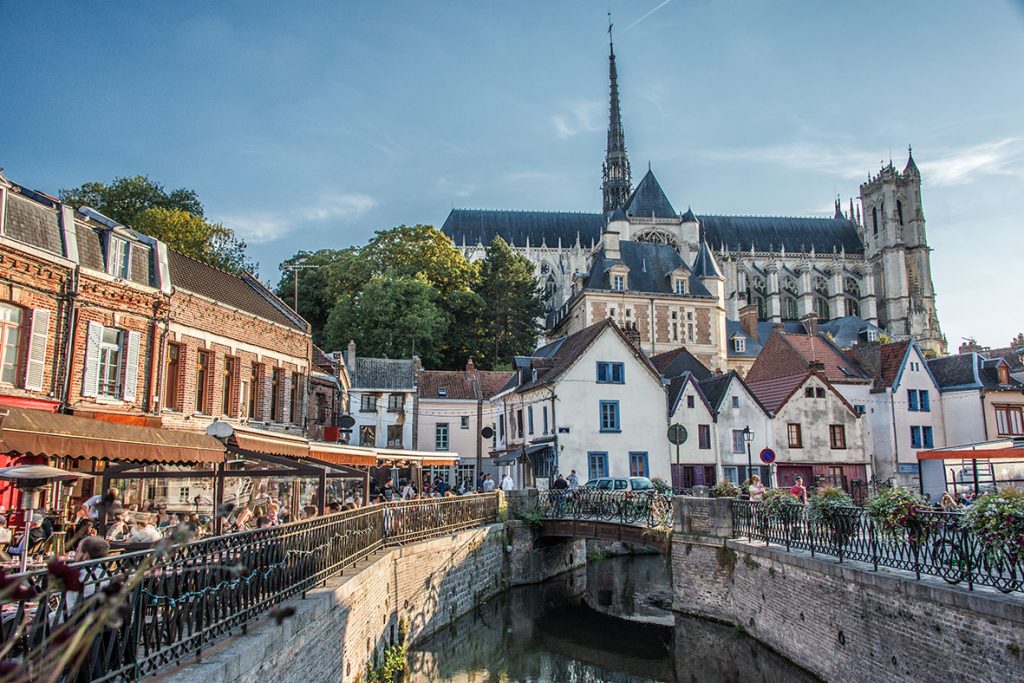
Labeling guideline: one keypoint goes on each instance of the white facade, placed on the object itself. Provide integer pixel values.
(737, 411)
(694, 413)
(384, 418)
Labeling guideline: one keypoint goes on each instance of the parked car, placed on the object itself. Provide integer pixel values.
(621, 484)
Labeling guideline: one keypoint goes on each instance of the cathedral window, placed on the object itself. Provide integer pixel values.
(874, 219)
(821, 308)
(899, 210)
(852, 307)
(789, 308)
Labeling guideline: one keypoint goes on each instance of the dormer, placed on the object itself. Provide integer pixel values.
(618, 277)
(680, 281)
(738, 342)
(118, 255)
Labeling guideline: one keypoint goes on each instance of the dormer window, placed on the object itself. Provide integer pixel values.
(739, 344)
(442, 391)
(872, 335)
(679, 286)
(119, 258)
(619, 283)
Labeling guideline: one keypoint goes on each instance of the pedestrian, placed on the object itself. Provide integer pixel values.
(560, 483)
(947, 503)
(799, 490)
(756, 489)
(488, 484)
(389, 491)
(145, 532)
(574, 481)
(408, 491)
(506, 483)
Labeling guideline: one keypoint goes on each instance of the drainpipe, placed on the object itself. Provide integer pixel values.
(158, 349)
(69, 339)
(652, 325)
(895, 433)
(554, 424)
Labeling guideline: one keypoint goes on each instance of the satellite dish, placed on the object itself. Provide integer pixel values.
(346, 422)
(220, 430)
(487, 432)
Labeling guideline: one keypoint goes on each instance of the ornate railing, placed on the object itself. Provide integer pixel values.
(638, 508)
(183, 597)
(936, 544)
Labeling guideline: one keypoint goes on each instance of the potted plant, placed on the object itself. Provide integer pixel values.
(830, 507)
(997, 520)
(900, 513)
(725, 489)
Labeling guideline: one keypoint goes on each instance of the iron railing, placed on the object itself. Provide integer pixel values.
(936, 544)
(638, 508)
(190, 595)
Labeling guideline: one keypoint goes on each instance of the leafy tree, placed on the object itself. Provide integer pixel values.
(336, 274)
(125, 198)
(420, 250)
(512, 305)
(193, 235)
(392, 317)
(464, 311)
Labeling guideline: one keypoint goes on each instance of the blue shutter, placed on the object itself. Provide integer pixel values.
(912, 399)
(925, 403)
(915, 437)
(927, 433)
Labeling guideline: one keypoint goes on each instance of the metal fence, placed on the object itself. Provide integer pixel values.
(638, 508)
(193, 594)
(935, 545)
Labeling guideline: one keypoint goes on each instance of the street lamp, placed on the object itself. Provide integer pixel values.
(748, 437)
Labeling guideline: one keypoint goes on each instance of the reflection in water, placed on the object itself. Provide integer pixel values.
(608, 622)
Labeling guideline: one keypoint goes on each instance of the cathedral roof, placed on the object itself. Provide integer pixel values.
(649, 265)
(705, 265)
(771, 233)
(474, 226)
(649, 200)
(688, 217)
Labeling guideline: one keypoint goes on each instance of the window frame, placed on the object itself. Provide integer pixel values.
(794, 429)
(442, 436)
(704, 437)
(277, 395)
(611, 372)
(367, 403)
(618, 282)
(642, 459)
(690, 401)
(601, 458)
(529, 420)
(396, 402)
(227, 400)
(915, 436)
(913, 404)
(119, 257)
(927, 436)
(739, 445)
(615, 421)
(172, 377)
(203, 367)
(464, 422)
(837, 437)
(1007, 418)
(924, 401)
(106, 352)
(15, 328)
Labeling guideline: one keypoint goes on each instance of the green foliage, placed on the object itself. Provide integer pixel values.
(725, 489)
(827, 502)
(779, 504)
(420, 251)
(883, 338)
(532, 516)
(895, 510)
(931, 353)
(997, 519)
(395, 661)
(174, 217)
(512, 305)
(661, 486)
(336, 274)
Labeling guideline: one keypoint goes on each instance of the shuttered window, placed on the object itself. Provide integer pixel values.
(35, 363)
(202, 380)
(131, 365)
(10, 338)
(110, 363)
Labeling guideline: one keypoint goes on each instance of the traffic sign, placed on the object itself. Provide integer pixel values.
(487, 432)
(767, 456)
(347, 421)
(677, 434)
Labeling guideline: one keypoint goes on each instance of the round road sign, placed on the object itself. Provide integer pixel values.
(487, 432)
(677, 434)
(767, 456)
(346, 422)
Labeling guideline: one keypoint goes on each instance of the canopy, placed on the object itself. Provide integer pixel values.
(341, 454)
(985, 450)
(271, 443)
(66, 436)
(423, 458)
(516, 453)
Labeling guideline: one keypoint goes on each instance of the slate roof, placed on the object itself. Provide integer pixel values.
(846, 332)
(649, 267)
(242, 292)
(474, 226)
(969, 371)
(30, 222)
(678, 361)
(458, 385)
(384, 373)
(648, 200)
(715, 388)
(705, 265)
(677, 385)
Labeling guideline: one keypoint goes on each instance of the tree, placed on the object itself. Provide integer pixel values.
(336, 274)
(193, 235)
(420, 250)
(125, 198)
(392, 317)
(512, 305)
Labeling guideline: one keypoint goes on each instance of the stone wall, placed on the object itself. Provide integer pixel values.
(843, 622)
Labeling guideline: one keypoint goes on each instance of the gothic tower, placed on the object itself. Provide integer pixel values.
(898, 256)
(615, 173)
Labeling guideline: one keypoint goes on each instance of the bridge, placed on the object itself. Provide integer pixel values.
(641, 518)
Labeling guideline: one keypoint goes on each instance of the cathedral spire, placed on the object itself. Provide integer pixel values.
(615, 173)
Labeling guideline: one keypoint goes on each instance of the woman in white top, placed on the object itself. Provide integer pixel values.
(756, 489)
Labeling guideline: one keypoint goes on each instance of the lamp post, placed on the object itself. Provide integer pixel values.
(748, 437)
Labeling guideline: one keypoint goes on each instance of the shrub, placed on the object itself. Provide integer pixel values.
(780, 503)
(725, 489)
(661, 486)
(827, 502)
(896, 510)
(998, 520)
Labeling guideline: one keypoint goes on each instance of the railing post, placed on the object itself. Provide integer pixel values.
(968, 555)
(802, 514)
(873, 542)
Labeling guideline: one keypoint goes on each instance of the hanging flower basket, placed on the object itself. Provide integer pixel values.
(901, 514)
(997, 520)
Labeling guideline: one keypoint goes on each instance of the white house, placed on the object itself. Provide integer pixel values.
(589, 402)
(383, 396)
(738, 409)
(695, 461)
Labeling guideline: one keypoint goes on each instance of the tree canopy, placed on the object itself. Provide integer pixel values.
(174, 217)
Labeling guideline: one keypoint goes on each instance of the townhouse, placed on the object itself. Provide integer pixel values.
(980, 398)
(743, 428)
(383, 399)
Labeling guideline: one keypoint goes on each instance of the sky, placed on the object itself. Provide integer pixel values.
(312, 125)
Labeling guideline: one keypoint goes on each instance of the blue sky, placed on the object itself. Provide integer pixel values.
(310, 125)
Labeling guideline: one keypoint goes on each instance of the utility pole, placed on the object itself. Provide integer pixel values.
(295, 268)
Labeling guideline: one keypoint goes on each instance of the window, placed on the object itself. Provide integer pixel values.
(819, 392)
(293, 398)
(464, 422)
(172, 398)
(874, 219)
(689, 401)
(924, 400)
(915, 437)
(10, 336)
(837, 436)
(110, 364)
(731, 474)
(441, 436)
(795, 437)
(859, 409)
(735, 401)
(1010, 420)
(119, 258)
(367, 435)
(519, 422)
(611, 373)
(321, 409)
(183, 495)
(395, 436)
(442, 391)
(610, 416)
(529, 419)
(912, 400)
(809, 392)
(926, 437)
(228, 389)
(638, 464)
(899, 211)
(739, 344)
(544, 413)
(367, 404)
(276, 390)
(395, 402)
(675, 331)
(619, 282)
(680, 286)
(597, 465)
(501, 427)
(704, 437)
(202, 380)
(255, 391)
(738, 444)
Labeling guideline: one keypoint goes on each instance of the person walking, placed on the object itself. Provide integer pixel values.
(506, 483)
(560, 483)
(488, 485)
(574, 481)
(799, 490)
(756, 489)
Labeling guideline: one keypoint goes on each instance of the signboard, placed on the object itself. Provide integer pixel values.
(767, 456)
(563, 430)
(677, 434)
(907, 468)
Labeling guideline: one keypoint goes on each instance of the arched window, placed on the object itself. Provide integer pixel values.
(874, 219)
(10, 337)
(852, 306)
(789, 309)
(899, 210)
(762, 312)
(821, 308)
(549, 286)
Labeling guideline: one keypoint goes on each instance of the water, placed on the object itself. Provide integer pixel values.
(609, 622)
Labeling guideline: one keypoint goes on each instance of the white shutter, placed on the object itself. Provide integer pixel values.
(91, 379)
(36, 363)
(131, 366)
(286, 399)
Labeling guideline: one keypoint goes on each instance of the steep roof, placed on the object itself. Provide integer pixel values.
(790, 354)
(648, 200)
(649, 268)
(705, 264)
(715, 388)
(773, 393)
(383, 373)
(969, 371)
(678, 361)
(891, 360)
(242, 292)
(472, 226)
(676, 387)
(459, 385)
(772, 233)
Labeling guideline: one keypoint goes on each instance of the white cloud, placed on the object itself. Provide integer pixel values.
(584, 117)
(963, 166)
(259, 227)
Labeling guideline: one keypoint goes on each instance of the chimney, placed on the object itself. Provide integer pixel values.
(778, 327)
(350, 357)
(816, 365)
(748, 321)
(611, 244)
(470, 370)
(1003, 371)
(810, 322)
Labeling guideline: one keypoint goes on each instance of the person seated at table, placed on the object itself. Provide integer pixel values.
(262, 522)
(272, 511)
(82, 529)
(118, 531)
(244, 518)
(163, 519)
(5, 532)
(144, 532)
(333, 506)
(36, 537)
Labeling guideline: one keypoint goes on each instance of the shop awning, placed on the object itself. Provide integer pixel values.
(511, 456)
(341, 454)
(986, 450)
(271, 443)
(65, 436)
(422, 458)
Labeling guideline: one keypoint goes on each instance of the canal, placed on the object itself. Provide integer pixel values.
(610, 622)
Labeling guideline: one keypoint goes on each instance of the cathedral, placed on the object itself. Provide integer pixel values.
(718, 284)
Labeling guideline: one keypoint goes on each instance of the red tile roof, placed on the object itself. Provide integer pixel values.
(891, 359)
(785, 355)
(457, 385)
(773, 393)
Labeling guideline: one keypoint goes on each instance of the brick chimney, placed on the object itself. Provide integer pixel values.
(748, 321)
(350, 357)
(470, 370)
(810, 322)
